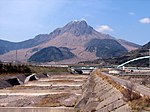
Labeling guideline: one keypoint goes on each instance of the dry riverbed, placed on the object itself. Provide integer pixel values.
(54, 91)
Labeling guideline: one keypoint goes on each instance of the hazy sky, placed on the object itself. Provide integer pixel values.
(124, 19)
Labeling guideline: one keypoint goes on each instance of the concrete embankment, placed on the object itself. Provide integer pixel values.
(19, 79)
(100, 96)
(37, 109)
(56, 93)
(63, 93)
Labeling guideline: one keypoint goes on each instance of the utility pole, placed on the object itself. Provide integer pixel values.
(16, 56)
(149, 57)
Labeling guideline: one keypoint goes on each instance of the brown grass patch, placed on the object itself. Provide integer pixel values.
(140, 104)
(52, 100)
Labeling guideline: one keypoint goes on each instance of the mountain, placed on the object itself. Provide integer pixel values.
(128, 45)
(3, 50)
(105, 48)
(5, 46)
(8, 46)
(75, 35)
(146, 46)
(143, 51)
(51, 54)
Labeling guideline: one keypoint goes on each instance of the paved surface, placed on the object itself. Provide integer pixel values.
(143, 90)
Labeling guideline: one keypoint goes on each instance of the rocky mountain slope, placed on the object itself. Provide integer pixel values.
(75, 35)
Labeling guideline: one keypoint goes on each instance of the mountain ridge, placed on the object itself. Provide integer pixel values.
(143, 51)
(73, 35)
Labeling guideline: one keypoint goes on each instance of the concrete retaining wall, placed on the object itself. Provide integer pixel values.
(19, 79)
(100, 96)
(37, 109)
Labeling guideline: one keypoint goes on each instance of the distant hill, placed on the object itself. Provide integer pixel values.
(105, 48)
(143, 51)
(51, 54)
(8, 46)
(146, 46)
(128, 45)
(76, 36)
(5, 46)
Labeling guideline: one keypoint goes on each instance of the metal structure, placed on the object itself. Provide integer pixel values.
(16, 56)
(149, 58)
(145, 57)
(81, 69)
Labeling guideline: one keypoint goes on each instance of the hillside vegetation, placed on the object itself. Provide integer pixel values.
(143, 51)
(105, 48)
(40, 69)
(51, 54)
(13, 68)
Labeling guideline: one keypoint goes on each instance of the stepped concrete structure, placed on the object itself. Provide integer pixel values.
(63, 93)
(99, 96)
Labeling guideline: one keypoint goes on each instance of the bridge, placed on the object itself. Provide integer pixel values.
(82, 69)
(135, 59)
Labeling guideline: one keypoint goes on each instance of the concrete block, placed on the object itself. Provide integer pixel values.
(124, 108)
(112, 106)
(108, 101)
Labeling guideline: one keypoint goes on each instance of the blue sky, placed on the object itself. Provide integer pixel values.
(125, 19)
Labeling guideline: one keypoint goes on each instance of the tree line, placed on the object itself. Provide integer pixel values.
(14, 68)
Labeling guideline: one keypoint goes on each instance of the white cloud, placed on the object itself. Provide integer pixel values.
(104, 28)
(131, 13)
(145, 20)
